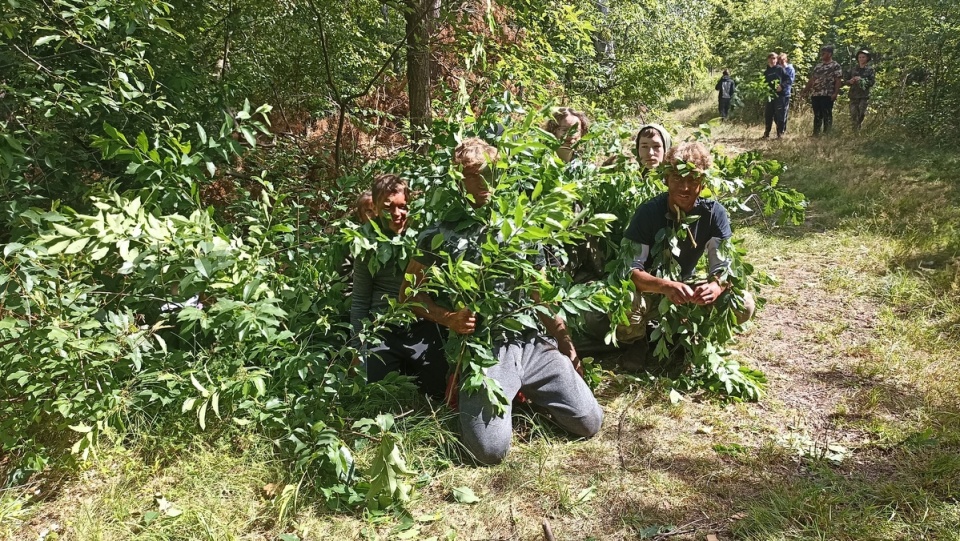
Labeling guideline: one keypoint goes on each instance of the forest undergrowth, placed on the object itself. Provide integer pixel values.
(857, 436)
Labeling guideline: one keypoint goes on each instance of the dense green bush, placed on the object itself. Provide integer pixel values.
(129, 295)
(134, 311)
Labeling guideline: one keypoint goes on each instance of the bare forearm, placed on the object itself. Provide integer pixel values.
(425, 308)
(646, 282)
(556, 327)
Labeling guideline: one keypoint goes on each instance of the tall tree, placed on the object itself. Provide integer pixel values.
(419, 15)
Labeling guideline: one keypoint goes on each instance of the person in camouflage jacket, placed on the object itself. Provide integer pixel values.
(861, 79)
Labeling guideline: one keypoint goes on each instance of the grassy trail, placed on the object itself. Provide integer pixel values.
(857, 438)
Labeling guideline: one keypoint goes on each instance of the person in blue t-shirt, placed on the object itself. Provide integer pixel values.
(788, 68)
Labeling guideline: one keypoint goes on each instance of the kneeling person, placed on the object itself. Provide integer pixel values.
(533, 365)
(413, 350)
(682, 199)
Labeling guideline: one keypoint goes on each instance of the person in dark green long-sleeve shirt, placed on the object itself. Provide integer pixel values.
(414, 350)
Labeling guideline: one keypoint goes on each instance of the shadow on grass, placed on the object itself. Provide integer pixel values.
(899, 484)
(905, 490)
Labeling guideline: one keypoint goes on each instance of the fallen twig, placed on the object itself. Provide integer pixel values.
(547, 532)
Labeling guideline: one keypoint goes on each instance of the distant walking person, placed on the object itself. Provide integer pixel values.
(824, 82)
(776, 78)
(861, 80)
(726, 87)
(787, 88)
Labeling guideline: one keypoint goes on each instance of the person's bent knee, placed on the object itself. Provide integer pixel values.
(587, 424)
(488, 451)
(745, 313)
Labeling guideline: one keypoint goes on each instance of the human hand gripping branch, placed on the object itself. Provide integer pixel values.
(462, 321)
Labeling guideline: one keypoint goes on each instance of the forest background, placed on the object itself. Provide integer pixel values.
(153, 152)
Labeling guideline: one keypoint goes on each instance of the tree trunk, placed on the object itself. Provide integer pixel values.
(418, 19)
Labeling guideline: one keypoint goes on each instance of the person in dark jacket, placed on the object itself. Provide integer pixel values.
(726, 87)
(776, 78)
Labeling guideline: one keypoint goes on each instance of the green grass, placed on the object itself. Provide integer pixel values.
(858, 341)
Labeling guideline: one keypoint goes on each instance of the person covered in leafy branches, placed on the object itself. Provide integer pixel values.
(569, 126)
(777, 81)
(414, 350)
(585, 258)
(546, 372)
(685, 168)
(652, 143)
(861, 79)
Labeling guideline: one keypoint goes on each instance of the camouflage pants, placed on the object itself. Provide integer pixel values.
(858, 110)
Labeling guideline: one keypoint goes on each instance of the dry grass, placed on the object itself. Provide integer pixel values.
(857, 340)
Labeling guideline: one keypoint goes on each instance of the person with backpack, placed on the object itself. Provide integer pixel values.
(726, 87)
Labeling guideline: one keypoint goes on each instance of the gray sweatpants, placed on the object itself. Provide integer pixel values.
(546, 377)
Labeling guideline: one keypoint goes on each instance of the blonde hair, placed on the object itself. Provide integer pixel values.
(694, 153)
(474, 154)
(782, 58)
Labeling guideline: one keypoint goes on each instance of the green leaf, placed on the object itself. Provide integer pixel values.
(249, 136)
(204, 267)
(77, 245)
(142, 143)
(45, 39)
(465, 495)
(58, 247)
(188, 404)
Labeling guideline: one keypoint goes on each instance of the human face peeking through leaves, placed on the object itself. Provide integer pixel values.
(477, 184)
(684, 184)
(685, 173)
(650, 149)
(476, 159)
(568, 126)
(394, 211)
(390, 201)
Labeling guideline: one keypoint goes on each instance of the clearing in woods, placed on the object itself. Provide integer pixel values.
(856, 438)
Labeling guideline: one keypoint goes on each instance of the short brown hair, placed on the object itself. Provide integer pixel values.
(649, 132)
(358, 211)
(474, 154)
(386, 185)
(694, 153)
(561, 112)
